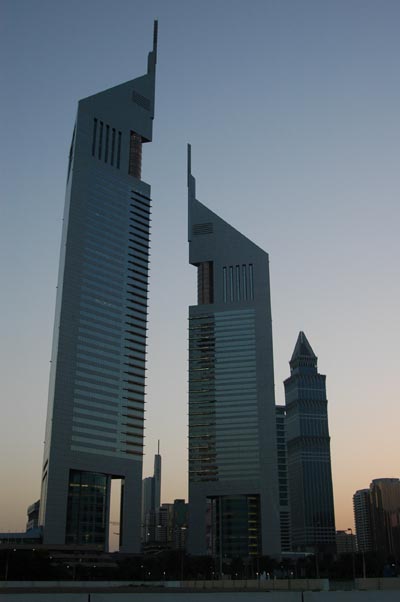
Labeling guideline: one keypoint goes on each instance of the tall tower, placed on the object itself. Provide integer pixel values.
(157, 478)
(308, 451)
(233, 482)
(151, 500)
(94, 429)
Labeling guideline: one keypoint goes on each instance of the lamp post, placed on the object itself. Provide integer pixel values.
(352, 553)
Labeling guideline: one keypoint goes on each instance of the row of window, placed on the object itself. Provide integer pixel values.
(106, 143)
(238, 283)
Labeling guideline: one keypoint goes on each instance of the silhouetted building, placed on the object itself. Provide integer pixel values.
(284, 507)
(232, 421)
(180, 524)
(308, 453)
(345, 542)
(165, 524)
(385, 516)
(94, 430)
(151, 496)
(33, 516)
(362, 520)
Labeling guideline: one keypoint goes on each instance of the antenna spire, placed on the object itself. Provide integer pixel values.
(152, 56)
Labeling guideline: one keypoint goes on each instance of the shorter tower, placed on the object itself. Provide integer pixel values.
(362, 520)
(308, 449)
(233, 481)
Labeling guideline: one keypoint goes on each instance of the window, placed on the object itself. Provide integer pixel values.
(119, 150)
(224, 284)
(135, 155)
(101, 139)
(94, 136)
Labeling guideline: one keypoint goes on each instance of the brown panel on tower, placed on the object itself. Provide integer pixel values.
(135, 155)
(205, 283)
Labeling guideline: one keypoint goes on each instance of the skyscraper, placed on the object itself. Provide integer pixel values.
(362, 520)
(94, 429)
(284, 507)
(232, 424)
(385, 515)
(308, 452)
(151, 500)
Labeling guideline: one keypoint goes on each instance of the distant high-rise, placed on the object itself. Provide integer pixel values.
(233, 479)
(362, 520)
(151, 500)
(308, 449)
(284, 507)
(345, 543)
(94, 430)
(385, 516)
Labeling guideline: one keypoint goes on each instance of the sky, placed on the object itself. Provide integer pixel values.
(292, 110)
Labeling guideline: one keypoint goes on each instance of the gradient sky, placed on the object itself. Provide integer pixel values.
(292, 109)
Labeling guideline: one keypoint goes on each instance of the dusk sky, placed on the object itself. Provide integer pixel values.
(292, 108)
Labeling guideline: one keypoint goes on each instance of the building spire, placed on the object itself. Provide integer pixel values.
(191, 183)
(303, 354)
(152, 57)
(189, 164)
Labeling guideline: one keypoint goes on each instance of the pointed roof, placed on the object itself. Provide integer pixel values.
(302, 348)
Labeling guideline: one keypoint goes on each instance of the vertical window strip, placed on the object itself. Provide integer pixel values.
(244, 280)
(112, 146)
(119, 150)
(135, 155)
(224, 283)
(94, 136)
(231, 283)
(251, 282)
(237, 283)
(106, 151)
(100, 139)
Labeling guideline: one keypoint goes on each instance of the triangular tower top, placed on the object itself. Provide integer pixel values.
(303, 355)
(302, 348)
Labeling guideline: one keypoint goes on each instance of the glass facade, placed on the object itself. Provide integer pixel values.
(109, 369)
(87, 511)
(235, 526)
(223, 427)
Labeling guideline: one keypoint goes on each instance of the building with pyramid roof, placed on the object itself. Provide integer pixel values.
(308, 453)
